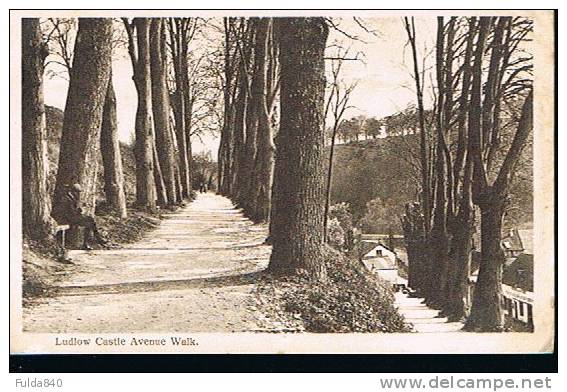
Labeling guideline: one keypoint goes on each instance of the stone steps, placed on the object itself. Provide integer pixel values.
(423, 318)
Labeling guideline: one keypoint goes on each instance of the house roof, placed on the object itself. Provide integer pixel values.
(519, 272)
(366, 246)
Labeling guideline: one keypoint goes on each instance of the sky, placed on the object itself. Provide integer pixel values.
(384, 82)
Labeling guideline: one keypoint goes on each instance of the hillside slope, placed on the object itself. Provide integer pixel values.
(378, 168)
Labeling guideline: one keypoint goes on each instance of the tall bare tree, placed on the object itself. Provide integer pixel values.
(265, 153)
(111, 156)
(160, 107)
(423, 158)
(226, 145)
(492, 179)
(36, 204)
(181, 33)
(337, 104)
(139, 50)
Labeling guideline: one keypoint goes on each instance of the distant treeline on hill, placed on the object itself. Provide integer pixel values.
(381, 174)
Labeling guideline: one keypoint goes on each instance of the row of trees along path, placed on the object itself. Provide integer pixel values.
(139, 284)
(469, 148)
(285, 183)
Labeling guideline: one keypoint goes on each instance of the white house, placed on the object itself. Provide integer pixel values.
(518, 288)
(379, 259)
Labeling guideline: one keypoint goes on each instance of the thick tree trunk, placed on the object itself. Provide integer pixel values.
(439, 242)
(241, 170)
(486, 313)
(145, 183)
(179, 52)
(179, 113)
(297, 232)
(462, 225)
(247, 200)
(459, 269)
(160, 106)
(223, 154)
(111, 157)
(415, 239)
(262, 185)
(78, 157)
(161, 193)
(188, 119)
(462, 228)
(36, 203)
(231, 65)
(178, 186)
(228, 154)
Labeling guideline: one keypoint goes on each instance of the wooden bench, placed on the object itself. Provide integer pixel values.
(63, 254)
(62, 229)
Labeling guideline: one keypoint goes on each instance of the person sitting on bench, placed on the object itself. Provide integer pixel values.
(72, 214)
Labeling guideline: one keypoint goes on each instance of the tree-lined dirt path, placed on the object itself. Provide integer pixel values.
(194, 273)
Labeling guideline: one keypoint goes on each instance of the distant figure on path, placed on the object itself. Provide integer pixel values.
(72, 214)
(202, 183)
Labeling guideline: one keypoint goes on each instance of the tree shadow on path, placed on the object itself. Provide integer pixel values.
(234, 279)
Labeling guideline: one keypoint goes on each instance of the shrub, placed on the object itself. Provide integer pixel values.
(340, 226)
(350, 300)
(335, 234)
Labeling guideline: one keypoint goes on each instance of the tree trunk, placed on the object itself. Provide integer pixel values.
(439, 243)
(88, 84)
(264, 168)
(247, 199)
(189, 147)
(262, 186)
(460, 257)
(160, 106)
(415, 239)
(461, 228)
(462, 225)
(145, 183)
(329, 179)
(179, 113)
(425, 180)
(297, 232)
(486, 312)
(111, 157)
(36, 204)
(241, 167)
(225, 146)
(161, 193)
(179, 52)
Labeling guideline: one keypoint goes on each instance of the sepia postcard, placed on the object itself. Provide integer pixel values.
(281, 182)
